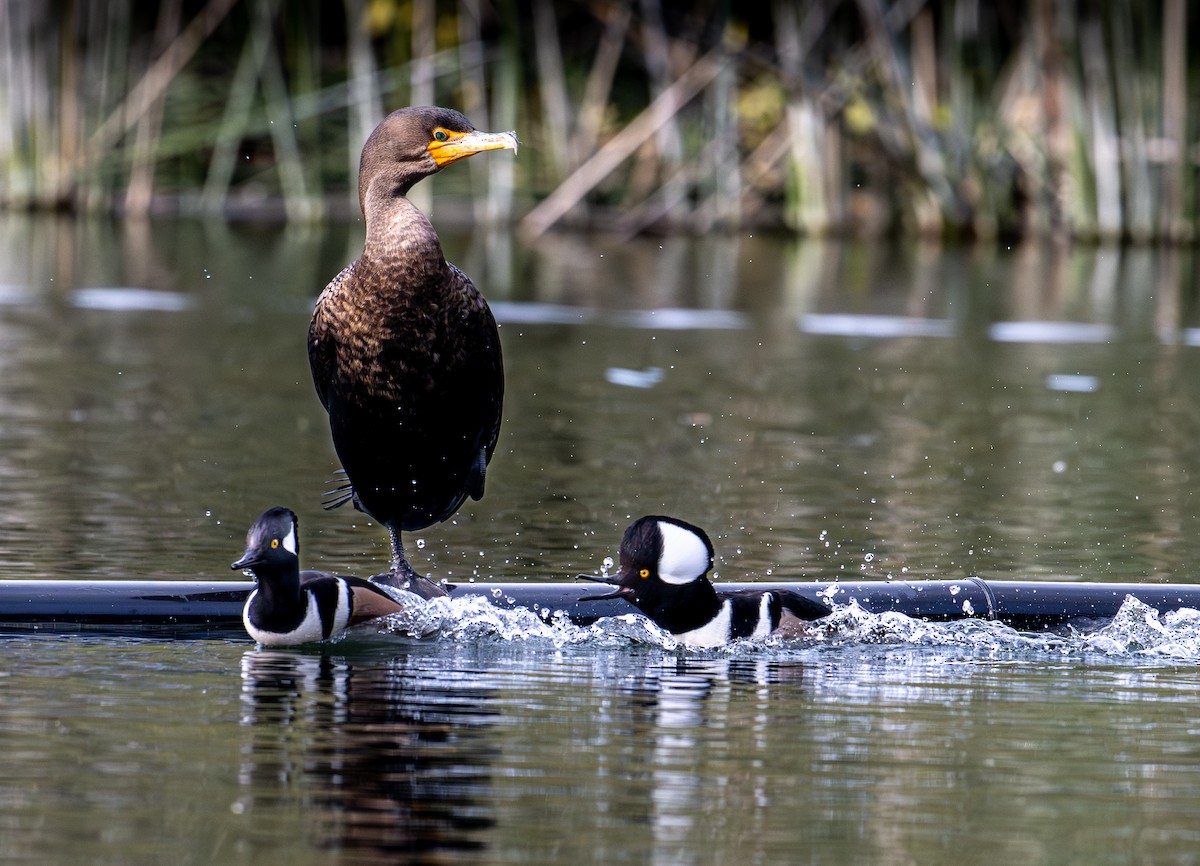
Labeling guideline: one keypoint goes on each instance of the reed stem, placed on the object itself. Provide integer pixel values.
(944, 118)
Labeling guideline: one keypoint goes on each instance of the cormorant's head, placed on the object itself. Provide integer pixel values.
(271, 543)
(418, 141)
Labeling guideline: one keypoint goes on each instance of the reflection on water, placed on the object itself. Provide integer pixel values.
(386, 760)
(820, 409)
(686, 701)
(533, 748)
(502, 751)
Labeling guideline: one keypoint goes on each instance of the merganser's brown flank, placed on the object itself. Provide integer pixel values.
(404, 351)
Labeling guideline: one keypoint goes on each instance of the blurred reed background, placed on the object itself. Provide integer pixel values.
(943, 118)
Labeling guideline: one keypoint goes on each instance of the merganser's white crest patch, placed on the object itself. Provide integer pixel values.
(714, 633)
(684, 555)
(289, 540)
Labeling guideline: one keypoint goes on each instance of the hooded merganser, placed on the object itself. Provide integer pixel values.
(405, 353)
(663, 572)
(289, 606)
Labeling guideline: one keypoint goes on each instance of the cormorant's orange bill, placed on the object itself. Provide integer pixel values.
(448, 146)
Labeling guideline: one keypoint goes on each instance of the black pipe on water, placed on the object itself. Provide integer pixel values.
(215, 606)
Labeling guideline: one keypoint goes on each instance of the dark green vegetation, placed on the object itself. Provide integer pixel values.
(941, 118)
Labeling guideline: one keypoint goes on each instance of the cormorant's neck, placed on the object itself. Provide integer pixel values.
(681, 608)
(396, 228)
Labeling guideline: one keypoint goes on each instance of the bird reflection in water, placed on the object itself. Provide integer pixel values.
(385, 759)
(698, 716)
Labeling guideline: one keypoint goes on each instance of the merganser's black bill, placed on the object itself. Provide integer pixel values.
(619, 591)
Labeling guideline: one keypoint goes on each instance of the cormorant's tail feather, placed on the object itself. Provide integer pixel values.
(340, 495)
(335, 499)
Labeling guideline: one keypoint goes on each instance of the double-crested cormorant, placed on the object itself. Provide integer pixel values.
(663, 568)
(289, 606)
(404, 351)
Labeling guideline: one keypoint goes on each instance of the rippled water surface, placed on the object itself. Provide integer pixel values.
(824, 411)
(519, 751)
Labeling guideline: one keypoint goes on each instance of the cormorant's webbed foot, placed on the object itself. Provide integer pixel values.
(417, 584)
(404, 576)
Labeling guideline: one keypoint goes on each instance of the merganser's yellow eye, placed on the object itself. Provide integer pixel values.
(274, 543)
(645, 572)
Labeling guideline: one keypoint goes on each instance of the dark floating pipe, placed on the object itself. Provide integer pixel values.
(193, 607)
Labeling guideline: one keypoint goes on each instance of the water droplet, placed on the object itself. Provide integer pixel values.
(605, 566)
(420, 544)
(955, 590)
(870, 557)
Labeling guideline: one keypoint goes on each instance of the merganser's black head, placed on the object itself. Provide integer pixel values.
(660, 556)
(664, 573)
(415, 142)
(272, 544)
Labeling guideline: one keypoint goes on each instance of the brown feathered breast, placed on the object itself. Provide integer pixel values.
(405, 353)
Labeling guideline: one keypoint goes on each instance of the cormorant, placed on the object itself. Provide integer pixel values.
(404, 351)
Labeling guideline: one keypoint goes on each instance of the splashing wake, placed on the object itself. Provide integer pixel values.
(1137, 631)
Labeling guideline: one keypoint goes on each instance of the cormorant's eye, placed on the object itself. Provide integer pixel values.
(645, 572)
(440, 135)
(274, 543)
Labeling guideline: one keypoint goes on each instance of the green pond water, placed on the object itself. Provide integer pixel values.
(824, 410)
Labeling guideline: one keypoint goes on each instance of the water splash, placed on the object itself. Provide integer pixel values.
(1140, 630)
(852, 625)
(1137, 631)
(475, 619)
